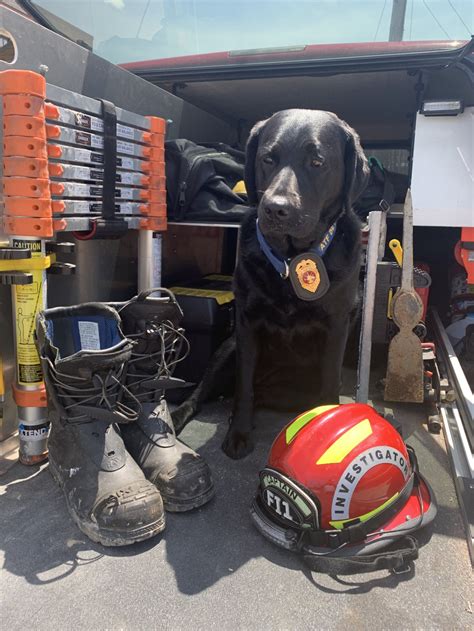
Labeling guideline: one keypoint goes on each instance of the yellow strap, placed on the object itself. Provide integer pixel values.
(27, 265)
(346, 443)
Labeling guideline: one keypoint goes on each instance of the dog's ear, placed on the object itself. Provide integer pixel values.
(250, 154)
(356, 167)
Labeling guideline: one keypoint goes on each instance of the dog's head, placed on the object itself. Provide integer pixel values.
(303, 169)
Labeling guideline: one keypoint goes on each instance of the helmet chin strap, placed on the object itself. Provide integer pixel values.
(380, 533)
(397, 559)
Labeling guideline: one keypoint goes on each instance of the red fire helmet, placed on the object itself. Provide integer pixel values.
(340, 480)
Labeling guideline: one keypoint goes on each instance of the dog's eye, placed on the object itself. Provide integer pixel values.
(268, 159)
(315, 162)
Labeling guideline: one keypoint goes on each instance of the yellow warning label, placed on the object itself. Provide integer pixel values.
(221, 297)
(28, 302)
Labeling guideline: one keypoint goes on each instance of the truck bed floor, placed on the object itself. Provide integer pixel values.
(211, 569)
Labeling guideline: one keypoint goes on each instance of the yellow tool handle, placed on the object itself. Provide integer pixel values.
(27, 265)
(396, 247)
(389, 303)
(2, 382)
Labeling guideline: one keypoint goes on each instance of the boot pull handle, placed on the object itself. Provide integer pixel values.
(143, 295)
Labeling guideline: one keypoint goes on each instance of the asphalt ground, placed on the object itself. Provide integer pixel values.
(211, 569)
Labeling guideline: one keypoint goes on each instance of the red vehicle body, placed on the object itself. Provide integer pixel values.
(309, 53)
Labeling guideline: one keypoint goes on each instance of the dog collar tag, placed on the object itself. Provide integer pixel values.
(308, 276)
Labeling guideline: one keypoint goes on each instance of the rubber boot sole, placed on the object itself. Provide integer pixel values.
(111, 538)
(181, 506)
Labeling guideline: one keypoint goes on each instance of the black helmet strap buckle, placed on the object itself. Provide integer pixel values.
(357, 531)
(397, 559)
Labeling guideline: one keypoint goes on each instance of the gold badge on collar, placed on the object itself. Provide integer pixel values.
(308, 276)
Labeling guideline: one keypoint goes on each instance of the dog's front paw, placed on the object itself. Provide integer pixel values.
(237, 444)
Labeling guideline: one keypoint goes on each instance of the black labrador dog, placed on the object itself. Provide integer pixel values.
(304, 170)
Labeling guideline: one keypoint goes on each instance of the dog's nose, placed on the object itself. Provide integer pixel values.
(277, 209)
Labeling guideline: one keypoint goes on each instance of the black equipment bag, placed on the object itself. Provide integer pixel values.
(200, 179)
(379, 193)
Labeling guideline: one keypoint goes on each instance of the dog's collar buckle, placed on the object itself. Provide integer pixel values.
(286, 272)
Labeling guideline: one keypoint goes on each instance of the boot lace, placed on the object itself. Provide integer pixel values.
(102, 391)
(164, 345)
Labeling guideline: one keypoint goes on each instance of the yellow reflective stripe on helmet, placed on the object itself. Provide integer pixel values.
(304, 419)
(340, 523)
(346, 443)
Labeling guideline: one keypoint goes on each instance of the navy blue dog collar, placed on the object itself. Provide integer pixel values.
(306, 271)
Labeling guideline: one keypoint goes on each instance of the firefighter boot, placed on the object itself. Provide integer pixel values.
(180, 474)
(84, 357)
